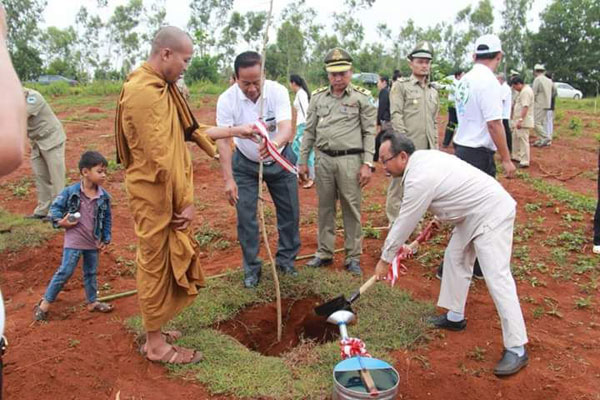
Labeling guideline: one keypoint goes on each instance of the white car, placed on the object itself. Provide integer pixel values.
(565, 90)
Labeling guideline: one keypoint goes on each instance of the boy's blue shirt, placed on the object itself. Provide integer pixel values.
(68, 202)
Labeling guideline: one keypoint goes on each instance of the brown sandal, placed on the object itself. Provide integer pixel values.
(169, 336)
(176, 355)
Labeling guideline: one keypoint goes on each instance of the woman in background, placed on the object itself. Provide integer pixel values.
(298, 85)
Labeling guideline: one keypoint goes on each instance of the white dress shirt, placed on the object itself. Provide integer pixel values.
(454, 191)
(478, 101)
(234, 108)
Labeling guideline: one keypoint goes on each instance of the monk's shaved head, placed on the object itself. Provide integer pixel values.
(170, 37)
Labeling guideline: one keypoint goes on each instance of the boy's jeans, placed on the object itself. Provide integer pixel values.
(64, 272)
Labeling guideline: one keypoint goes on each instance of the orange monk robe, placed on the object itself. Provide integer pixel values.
(153, 121)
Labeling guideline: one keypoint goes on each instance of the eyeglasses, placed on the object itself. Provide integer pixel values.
(388, 159)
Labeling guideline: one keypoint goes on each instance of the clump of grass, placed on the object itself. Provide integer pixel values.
(17, 232)
(576, 201)
(305, 371)
(575, 125)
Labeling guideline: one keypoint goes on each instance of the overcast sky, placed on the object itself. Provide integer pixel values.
(61, 13)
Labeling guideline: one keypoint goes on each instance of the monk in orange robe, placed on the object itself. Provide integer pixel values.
(153, 122)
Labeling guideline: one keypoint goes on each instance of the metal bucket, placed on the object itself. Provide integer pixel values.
(347, 384)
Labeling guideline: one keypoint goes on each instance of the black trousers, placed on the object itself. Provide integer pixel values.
(508, 134)
(597, 215)
(451, 127)
(479, 157)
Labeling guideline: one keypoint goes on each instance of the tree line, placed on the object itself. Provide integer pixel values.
(93, 48)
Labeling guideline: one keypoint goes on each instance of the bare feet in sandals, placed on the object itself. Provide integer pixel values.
(309, 184)
(158, 349)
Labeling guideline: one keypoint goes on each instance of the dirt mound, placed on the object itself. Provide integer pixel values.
(256, 326)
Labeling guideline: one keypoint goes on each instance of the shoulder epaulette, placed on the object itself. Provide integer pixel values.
(319, 90)
(362, 90)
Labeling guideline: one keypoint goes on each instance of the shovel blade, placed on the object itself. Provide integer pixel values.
(328, 308)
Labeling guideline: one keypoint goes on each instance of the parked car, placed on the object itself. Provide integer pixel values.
(48, 79)
(365, 78)
(567, 91)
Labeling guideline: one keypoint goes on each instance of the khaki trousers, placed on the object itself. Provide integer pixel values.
(521, 150)
(49, 171)
(337, 178)
(394, 199)
(493, 248)
(541, 119)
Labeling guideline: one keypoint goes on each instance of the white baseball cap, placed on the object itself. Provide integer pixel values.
(488, 44)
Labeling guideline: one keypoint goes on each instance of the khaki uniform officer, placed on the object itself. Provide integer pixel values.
(523, 122)
(542, 90)
(414, 105)
(340, 124)
(47, 139)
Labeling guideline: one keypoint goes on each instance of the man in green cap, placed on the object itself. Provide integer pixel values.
(341, 126)
(47, 139)
(414, 105)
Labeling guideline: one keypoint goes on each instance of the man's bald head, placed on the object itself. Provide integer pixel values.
(170, 37)
(172, 50)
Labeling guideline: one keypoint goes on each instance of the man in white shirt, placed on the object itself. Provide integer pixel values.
(479, 109)
(480, 131)
(483, 214)
(240, 105)
(506, 108)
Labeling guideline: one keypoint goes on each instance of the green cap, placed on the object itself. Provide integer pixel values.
(338, 60)
(422, 50)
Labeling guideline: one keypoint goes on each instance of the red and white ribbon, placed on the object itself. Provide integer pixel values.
(352, 347)
(404, 252)
(273, 151)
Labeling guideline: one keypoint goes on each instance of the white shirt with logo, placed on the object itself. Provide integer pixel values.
(478, 101)
(234, 108)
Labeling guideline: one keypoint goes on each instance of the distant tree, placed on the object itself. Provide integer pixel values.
(514, 32)
(568, 43)
(22, 19)
(207, 17)
(205, 68)
(124, 26)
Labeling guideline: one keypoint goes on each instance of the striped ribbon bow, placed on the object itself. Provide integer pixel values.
(272, 150)
(351, 347)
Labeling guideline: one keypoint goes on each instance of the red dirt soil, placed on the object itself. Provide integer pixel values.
(80, 355)
(256, 326)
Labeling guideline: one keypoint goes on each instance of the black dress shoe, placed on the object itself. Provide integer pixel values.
(440, 271)
(319, 262)
(291, 271)
(442, 322)
(354, 267)
(511, 363)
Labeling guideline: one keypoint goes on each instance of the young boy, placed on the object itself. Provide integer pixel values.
(84, 235)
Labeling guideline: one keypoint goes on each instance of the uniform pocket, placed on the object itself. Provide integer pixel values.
(323, 111)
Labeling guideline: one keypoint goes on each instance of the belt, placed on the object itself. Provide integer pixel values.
(338, 153)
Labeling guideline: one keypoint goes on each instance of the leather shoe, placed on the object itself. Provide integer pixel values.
(354, 267)
(477, 274)
(291, 271)
(318, 262)
(511, 363)
(440, 271)
(442, 322)
(251, 280)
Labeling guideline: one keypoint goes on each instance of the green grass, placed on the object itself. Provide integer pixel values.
(586, 104)
(574, 200)
(388, 319)
(18, 232)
